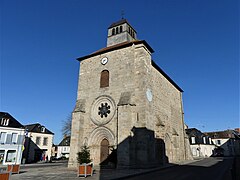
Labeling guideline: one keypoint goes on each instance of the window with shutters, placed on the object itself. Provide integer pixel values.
(104, 80)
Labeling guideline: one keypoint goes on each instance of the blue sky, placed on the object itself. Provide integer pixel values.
(196, 43)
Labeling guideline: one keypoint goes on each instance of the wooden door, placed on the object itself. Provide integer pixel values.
(104, 151)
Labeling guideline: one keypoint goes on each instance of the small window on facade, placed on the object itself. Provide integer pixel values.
(45, 141)
(4, 122)
(117, 30)
(120, 29)
(113, 31)
(204, 140)
(14, 138)
(38, 140)
(42, 129)
(219, 142)
(3, 137)
(11, 156)
(104, 80)
(193, 140)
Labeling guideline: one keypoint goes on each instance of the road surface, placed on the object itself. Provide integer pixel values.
(206, 169)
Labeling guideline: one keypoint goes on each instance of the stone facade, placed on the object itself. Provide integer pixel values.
(139, 114)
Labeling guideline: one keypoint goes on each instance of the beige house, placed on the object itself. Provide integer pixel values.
(38, 143)
(129, 112)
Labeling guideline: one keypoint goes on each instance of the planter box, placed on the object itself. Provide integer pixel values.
(85, 170)
(5, 175)
(14, 168)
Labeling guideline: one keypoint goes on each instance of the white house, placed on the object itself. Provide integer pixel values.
(201, 145)
(227, 141)
(38, 143)
(11, 139)
(63, 149)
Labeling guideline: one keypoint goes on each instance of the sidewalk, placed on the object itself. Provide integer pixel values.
(50, 171)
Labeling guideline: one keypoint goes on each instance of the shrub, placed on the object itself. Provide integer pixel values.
(84, 155)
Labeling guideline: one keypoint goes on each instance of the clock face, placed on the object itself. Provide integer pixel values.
(149, 95)
(104, 60)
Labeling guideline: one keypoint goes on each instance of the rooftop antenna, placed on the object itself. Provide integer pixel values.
(122, 14)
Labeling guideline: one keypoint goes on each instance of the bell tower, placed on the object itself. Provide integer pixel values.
(120, 32)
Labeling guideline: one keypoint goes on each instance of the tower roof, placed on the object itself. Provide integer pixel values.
(122, 21)
(118, 23)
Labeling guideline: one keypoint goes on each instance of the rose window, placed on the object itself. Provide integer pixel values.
(104, 110)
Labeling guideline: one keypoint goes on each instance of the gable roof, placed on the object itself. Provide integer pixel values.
(65, 141)
(127, 44)
(37, 128)
(221, 134)
(122, 21)
(118, 23)
(166, 76)
(193, 132)
(115, 47)
(12, 122)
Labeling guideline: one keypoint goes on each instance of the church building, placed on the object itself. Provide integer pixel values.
(129, 112)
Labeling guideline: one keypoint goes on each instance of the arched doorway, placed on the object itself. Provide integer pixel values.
(169, 149)
(104, 150)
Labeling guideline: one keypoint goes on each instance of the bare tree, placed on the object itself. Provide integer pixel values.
(66, 126)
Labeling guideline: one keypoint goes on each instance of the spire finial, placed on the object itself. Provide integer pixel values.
(122, 14)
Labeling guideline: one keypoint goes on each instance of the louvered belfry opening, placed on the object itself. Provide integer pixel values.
(104, 81)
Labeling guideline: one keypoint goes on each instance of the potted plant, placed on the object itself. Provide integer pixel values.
(85, 166)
